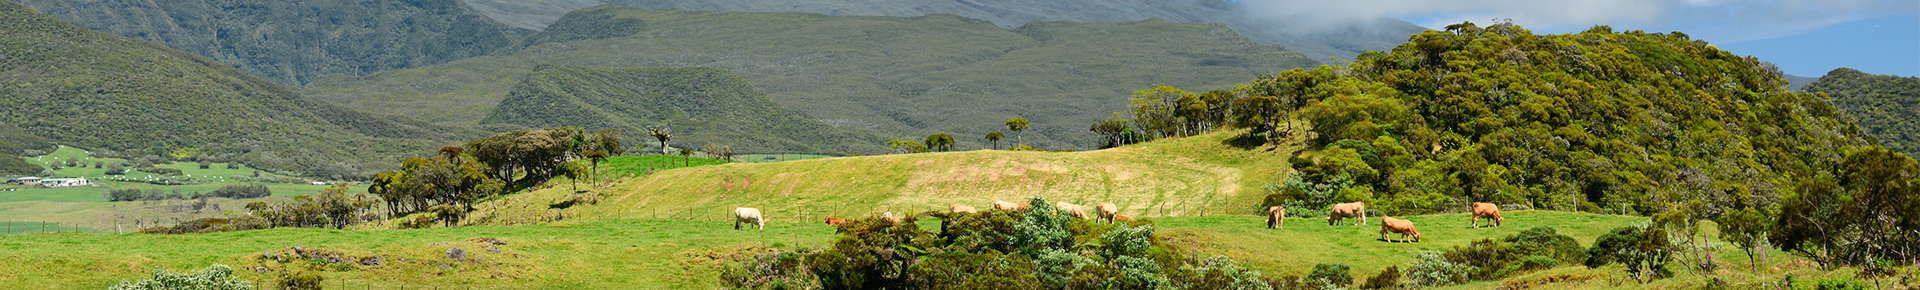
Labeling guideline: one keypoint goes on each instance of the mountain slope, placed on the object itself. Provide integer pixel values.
(1888, 107)
(1319, 41)
(887, 76)
(293, 42)
(90, 89)
(701, 105)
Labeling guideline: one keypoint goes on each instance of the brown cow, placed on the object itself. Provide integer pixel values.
(1487, 211)
(1004, 205)
(1122, 217)
(1107, 210)
(1399, 226)
(835, 221)
(1277, 217)
(1347, 210)
(961, 209)
(1071, 209)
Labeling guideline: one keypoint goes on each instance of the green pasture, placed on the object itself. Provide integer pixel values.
(650, 253)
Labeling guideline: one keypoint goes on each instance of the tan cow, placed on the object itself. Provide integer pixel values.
(1004, 205)
(835, 221)
(1107, 210)
(1277, 217)
(1399, 226)
(1346, 211)
(1072, 209)
(750, 216)
(961, 209)
(1122, 217)
(1487, 211)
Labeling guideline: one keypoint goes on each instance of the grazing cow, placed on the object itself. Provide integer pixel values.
(750, 216)
(1122, 217)
(1072, 209)
(962, 209)
(1107, 210)
(835, 221)
(1004, 205)
(1486, 211)
(1277, 217)
(1348, 210)
(1399, 226)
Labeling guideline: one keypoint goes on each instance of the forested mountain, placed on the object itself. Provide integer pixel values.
(892, 77)
(293, 42)
(1794, 83)
(1317, 41)
(1599, 121)
(701, 106)
(1887, 107)
(95, 90)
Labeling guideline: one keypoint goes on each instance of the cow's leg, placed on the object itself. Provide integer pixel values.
(736, 224)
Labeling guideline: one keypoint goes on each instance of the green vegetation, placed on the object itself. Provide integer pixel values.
(884, 76)
(1883, 105)
(702, 105)
(295, 43)
(1599, 121)
(137, 98)
(216, 277)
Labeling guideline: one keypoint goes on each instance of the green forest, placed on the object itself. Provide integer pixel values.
(139, 98)
(293, 43)
(1884, 106)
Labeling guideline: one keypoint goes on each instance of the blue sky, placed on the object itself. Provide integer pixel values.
(1804, 37)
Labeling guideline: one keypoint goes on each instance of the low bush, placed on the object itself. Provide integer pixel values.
(993, 250)
(1534, 249)
(1388, 278)
(216, 277)
(1329, 275)
(1431, 269)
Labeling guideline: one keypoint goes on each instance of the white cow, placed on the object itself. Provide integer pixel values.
(750, 216)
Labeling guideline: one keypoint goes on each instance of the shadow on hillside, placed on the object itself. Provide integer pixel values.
(1245, 141)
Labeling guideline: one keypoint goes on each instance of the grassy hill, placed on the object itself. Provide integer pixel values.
(702, 105)
(1317, 40)
(887, 76)
(292, 43)
(1888, 107)
(94, 90)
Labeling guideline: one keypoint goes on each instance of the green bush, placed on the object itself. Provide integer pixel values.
(1534, 249)
(216, 277)
(1330, 275)
(1388, 278)
(300, 281)
(1431, 269)
(1643, 249)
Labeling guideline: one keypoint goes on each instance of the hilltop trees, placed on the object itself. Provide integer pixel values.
(523, 157)
(995, 138)
(454, 178)
(662, 134)
(1017, 124)
(1869, 211)
(940, 142)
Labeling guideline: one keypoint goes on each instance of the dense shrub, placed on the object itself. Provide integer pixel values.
(1036, 249)
(1431, 269)
(1534, 249)
(230, 191)
(216, 277)
(211, 225)
(1643, 249)
(161, 171)
(1329, 275)
(1388, 278)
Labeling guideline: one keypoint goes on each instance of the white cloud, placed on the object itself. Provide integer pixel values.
(1720, 20)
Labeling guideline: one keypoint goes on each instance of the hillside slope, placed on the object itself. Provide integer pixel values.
(1888, 107)
(293, 42)
(95, 90)
(1319, 41)
(887, 76)
(701, 105)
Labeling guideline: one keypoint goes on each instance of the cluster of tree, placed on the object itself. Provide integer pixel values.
(1599, 121)
(331, 208)
(994, 249)
(15, 166)
(230, 191)
(449, 183)
(1882, 104)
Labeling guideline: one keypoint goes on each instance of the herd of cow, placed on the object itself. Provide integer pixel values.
(1276, 216)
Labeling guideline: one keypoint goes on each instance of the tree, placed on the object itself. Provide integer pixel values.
(686, 156)
(941, 142)
(1747, 228)
(995, 138)
(662, 134)
(1018, 124)
(1113, 129)
(1644, 249)
(596, 156)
